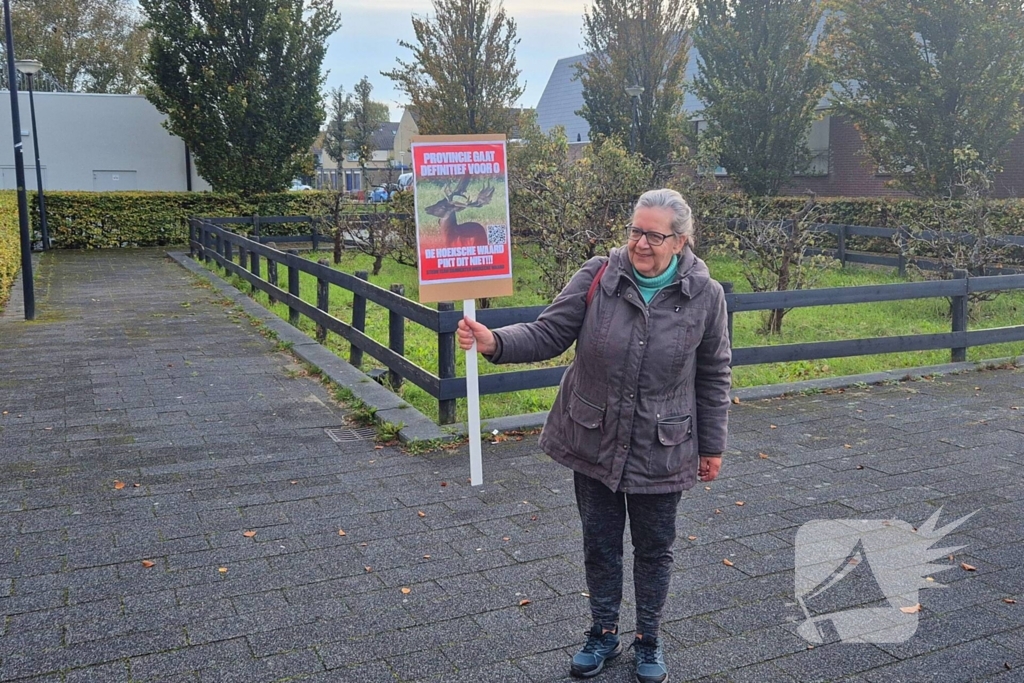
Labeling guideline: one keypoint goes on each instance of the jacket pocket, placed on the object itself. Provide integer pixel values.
(587, 427)
(672, 449)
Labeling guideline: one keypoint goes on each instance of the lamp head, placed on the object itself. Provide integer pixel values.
(634, 90)
(28, 66)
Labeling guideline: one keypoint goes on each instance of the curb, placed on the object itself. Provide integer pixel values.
(418, 427)
(387, 406)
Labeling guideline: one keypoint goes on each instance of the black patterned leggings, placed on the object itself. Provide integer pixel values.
(652, 524)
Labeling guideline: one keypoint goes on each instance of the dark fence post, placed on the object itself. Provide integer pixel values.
(228, 250)
(959, 306)
(396, 337)
(243, 257)
(206, 246)
(841, 246)
(192, 237)
(218, 244)
(323, 301)
(254, 267)
(355, 356)
(446, 367)
(256, 227)
(272, 272)
(727, 286)
(901, 241)
(293, 286)
(337, 244)
(315, 234)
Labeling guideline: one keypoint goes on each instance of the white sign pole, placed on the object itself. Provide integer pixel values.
(476, 467)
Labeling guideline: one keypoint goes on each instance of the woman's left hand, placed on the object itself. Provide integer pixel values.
(707, 468)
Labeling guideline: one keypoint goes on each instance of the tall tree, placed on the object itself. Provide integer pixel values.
(463, 76)
(924, 79)
(635, 42)
(240, 83)
(355, 119)
(84, 45)
(760, 80)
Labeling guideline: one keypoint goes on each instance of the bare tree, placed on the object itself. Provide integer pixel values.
(776, 255)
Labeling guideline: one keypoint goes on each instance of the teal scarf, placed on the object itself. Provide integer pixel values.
(649, 286)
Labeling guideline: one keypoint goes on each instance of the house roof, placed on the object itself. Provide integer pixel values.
(384, 137)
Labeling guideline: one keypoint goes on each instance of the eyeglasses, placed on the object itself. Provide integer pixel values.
(655, 239)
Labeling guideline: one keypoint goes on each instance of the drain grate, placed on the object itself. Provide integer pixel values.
(342, 434)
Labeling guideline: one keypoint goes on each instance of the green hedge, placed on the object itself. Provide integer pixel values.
(96, 220)
(10, 243)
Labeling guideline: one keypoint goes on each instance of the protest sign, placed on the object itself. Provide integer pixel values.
(462, 219)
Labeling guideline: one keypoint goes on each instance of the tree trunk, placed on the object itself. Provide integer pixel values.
(378, 261)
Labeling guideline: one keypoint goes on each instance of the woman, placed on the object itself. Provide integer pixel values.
(641, 413)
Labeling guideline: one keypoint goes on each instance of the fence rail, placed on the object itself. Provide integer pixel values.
(212, 241)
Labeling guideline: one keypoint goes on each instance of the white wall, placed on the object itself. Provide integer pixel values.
(95, 142)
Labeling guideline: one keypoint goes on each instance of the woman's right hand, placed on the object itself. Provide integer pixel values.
(470, 331)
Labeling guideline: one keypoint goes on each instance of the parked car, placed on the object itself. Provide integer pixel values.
(379, 194)
(299, 186)
(405, 182)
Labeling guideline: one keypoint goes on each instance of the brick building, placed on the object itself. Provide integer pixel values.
(839, 168)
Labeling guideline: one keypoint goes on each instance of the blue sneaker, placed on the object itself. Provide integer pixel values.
(650, 660)
(599, 648)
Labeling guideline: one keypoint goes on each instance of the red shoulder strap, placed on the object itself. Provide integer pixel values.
(597, 281)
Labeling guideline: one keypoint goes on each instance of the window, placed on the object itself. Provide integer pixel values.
(817, 144)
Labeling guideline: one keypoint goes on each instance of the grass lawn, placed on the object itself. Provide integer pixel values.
(823, 323)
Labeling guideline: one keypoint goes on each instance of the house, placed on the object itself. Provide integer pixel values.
(348, 173)
(98, 142)
(839, 167)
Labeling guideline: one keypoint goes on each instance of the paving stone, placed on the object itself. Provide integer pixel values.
(201, 413)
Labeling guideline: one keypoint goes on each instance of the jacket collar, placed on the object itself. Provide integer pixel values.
(692, 273)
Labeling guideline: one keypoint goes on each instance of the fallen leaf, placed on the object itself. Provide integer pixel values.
(368, 568)
(707, 488)
(406, 591)
(718, 512)
(293, 482)
(740, 503)
(950, 557)
(860, 467)
(736, 400)
(692, 538)
(148, 563)
(1011, 408)
(249, 534)
(426, 557)
(772, 427)
(585, 594)
(929, 578)
(421, 513)
(136, 485)
(533, 518)
(444, 483)
(846, 445)
(223, 570)
(362, 545)
(853, 560)
(47, 429)
(1009, 601)
(378, 448)
(967, 567)
(763, 456)
(727, 563)
(118, 485)
(505, 538)
(524, 603)
(911, 610)
(341, 532)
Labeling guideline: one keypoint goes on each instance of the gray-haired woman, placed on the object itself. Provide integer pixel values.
(641, 413)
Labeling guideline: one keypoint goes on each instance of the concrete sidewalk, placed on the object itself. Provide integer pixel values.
(134, 374)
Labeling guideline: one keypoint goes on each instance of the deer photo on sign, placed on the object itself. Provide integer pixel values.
(462, 217)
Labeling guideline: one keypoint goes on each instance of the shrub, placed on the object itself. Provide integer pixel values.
(10, 243)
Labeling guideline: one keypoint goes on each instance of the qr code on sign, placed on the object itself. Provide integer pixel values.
(495, 234)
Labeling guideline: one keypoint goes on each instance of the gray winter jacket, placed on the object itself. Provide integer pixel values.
(649, 387)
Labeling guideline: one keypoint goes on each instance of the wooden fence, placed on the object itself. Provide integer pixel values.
(212, 242)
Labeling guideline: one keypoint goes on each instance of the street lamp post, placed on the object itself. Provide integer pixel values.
(19, 171)
(634, 92)
(30, 67)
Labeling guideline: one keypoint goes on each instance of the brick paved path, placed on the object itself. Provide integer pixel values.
(134, 374)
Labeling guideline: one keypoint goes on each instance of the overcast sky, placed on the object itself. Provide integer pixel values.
(367, 42)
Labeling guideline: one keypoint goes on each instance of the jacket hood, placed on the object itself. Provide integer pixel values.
(692, 274)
